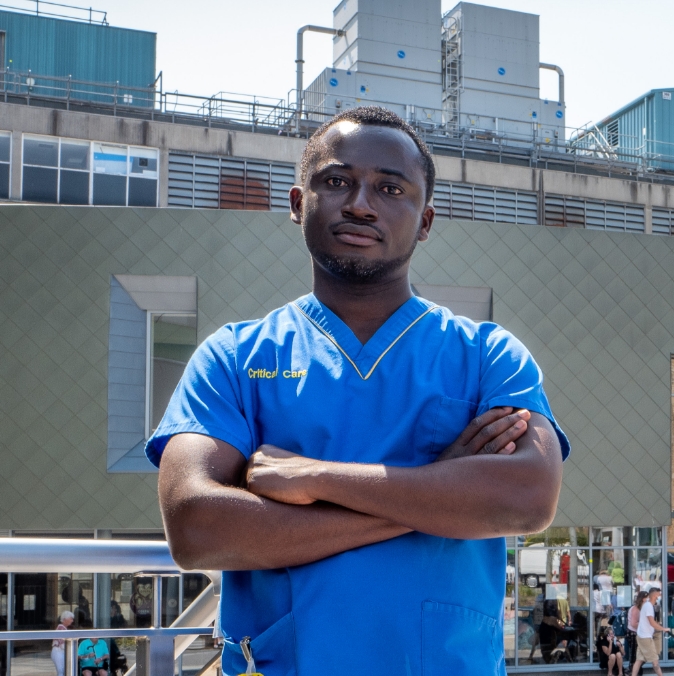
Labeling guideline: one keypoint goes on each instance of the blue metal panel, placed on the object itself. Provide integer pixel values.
(646, 129)
(96, 53)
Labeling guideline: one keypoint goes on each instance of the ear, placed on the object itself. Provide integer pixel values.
(426, 223)
(296, 196)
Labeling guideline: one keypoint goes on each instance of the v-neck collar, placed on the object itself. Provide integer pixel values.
(364, 358)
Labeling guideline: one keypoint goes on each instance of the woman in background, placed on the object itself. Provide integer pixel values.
(58, 653)
(633, 623)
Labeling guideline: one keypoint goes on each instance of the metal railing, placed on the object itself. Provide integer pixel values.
(161, 645)
(466, 134)
(86, 14)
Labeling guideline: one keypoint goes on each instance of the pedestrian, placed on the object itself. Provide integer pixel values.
(646, 649)
(58, 654)
(632, 625)
(94, 657)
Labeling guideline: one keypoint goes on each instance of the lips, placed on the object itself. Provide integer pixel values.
(356, 235)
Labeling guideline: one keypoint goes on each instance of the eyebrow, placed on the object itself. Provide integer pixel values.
(392, 172)
(379, 170)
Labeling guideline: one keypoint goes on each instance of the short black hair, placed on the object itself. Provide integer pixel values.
(375, 116)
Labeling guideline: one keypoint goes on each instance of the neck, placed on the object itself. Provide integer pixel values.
(362, 307)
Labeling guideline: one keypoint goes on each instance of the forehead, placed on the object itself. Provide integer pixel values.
(366, 146)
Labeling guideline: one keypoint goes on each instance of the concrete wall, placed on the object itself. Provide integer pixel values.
(596, 309)
(166, 137)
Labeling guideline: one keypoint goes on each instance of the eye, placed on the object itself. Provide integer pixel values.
(392, 190)
(336, 182)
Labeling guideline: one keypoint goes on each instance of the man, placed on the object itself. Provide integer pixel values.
(325, 458)
(93, 655)
(646, 648)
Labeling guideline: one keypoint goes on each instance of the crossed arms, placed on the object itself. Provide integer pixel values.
(281, 509)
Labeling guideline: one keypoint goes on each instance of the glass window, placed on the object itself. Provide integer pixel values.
(614, 537)
(40, 184)
(142, 192)
(509, 610)
(42, 152)
(109, 190)
(74, 155)
(572, 537)
(74, 187)
(5, 143)
(554, 604)
(4, 181)
(109, 159)
(144, 161)
(173, 340)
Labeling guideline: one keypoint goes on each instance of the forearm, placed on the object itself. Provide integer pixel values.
(228, 528)
(468, 498)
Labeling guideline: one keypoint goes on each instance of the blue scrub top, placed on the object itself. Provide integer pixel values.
(301, 380)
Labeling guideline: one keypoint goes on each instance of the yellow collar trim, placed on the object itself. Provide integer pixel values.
(381, 356)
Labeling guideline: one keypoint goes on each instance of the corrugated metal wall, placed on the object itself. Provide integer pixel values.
(645, 127)
(86, 51)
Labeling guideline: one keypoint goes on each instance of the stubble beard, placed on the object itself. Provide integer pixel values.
(358, 270)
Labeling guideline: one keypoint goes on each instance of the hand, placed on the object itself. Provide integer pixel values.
(495, 431)
(277, 474)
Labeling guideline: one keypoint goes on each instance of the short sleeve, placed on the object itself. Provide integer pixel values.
(509, 376)
(207, 400)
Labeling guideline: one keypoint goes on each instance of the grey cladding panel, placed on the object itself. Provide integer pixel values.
(465, 301)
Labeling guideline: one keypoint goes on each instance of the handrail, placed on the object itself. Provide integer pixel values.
(47, 634)
(36, 555)
(147, 557)
(87, 10)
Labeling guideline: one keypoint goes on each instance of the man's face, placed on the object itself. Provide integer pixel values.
(363, 206)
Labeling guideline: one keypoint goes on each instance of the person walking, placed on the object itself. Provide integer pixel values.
(646, 650)
(632, 625)
(58, 653)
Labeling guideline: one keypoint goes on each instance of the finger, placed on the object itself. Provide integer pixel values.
(492, 431)
(503, 441)
(476, 425)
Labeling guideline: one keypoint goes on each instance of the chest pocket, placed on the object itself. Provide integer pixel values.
(450, 419)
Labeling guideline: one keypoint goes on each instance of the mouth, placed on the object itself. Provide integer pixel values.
(357, 235)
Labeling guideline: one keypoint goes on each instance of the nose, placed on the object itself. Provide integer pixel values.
(359, 204)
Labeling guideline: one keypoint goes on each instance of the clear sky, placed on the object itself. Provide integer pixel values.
(611, 51)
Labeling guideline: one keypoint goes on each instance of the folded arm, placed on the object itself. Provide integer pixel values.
(213, 523)
(481, 496)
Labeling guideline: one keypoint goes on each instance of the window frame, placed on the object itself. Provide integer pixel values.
(149, 343)
(4, 132)
(60, 140)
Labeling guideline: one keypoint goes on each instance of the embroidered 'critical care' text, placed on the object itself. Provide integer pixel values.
(264, 374)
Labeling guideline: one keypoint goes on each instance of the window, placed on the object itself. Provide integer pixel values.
(5, 155)
(152, 334)
(68, 171)
(172, 340)
(228, 183)
(575, 212)
(613, 133)
(482, 203)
